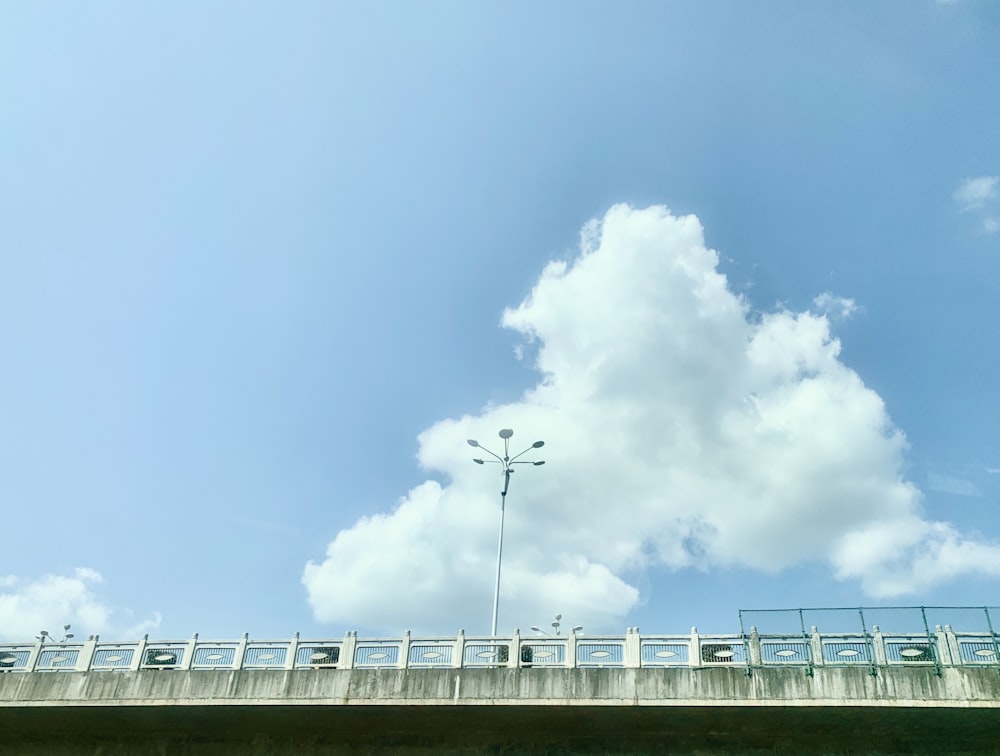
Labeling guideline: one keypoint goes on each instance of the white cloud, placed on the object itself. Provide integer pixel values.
(919, 554)
(839, 307)
(952, 485)
(681, 429)
(142, 627)
(974, 193)
(980, 196)
(51, 601)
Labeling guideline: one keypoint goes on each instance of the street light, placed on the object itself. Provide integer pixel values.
(555, 625)
(506, 463)
(45, 635)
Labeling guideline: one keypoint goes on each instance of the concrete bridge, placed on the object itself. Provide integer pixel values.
(929, 692)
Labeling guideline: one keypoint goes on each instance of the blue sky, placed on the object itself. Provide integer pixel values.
(255, 261)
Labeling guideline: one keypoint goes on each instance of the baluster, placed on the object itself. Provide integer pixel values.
(347, 652)
(293, 652)
(632, 656)
(140, 652)
(404, 652)
(459, 655)
(241, 651)
(86, 654)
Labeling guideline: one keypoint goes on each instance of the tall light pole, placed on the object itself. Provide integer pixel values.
(507, 463)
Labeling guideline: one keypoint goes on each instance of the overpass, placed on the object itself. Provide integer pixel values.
(933, 691)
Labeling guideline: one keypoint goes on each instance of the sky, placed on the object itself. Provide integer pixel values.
(265, 268)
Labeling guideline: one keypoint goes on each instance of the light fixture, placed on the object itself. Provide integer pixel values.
(506, 463)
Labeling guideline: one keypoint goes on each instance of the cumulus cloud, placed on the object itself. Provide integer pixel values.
(682, 429)
(981, 196)
(51, 601)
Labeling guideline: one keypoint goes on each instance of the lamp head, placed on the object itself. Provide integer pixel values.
(540, 462)
(538, 445)
(472, 442)
(506, 433)
(479, 462)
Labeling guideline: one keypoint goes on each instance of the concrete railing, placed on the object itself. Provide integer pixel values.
(941, 647)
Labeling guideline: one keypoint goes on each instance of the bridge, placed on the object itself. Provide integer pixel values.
(932, 691)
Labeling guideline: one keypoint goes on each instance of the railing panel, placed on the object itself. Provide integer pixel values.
(431, 654)
(664, 653)
(108, 658)
(603, 654)
(480, 654)
(977, 650)
(846, 651)
(168, 655)
(917, 649)
(265, 656)
(214, 656)
(376, 655)
(14, 658)
(723, 651)
(785, 651)
(57, 660)
(313, 655)
(543, 654)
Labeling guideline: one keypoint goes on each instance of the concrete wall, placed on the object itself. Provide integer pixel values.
(903, 686)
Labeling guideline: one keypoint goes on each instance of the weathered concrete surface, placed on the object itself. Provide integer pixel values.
(502, 711)
(902, 686)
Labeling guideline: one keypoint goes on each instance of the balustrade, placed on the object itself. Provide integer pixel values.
(942, 647)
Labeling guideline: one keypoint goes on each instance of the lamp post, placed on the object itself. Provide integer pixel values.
(506, 463)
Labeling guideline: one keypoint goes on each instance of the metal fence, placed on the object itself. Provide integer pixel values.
(877, 637)
(910, 638)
